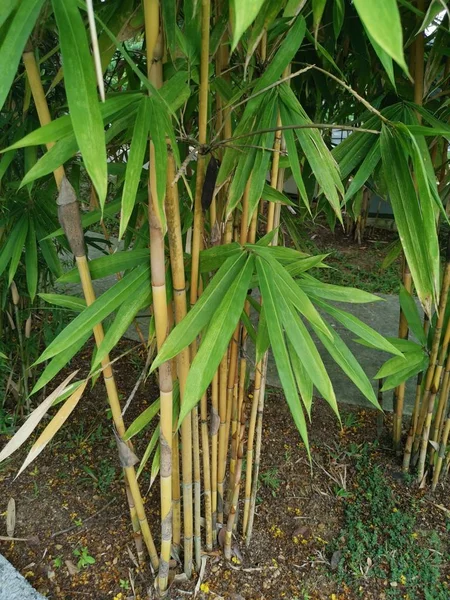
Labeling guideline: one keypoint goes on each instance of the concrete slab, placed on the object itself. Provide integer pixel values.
(381, 316)
(13, 586)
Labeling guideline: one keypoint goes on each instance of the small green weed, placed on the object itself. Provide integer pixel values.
(124, 584)
(103, 475)
(58, 562)
(84, 558)
(382, 540)
(271, 480)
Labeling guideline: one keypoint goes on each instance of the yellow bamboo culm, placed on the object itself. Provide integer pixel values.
(183, 362)
(197, 234)
(136, 505)
(158, 272)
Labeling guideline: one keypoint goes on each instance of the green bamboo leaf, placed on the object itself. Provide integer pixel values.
(124, 317)
(279, 349)
(305, 264)
(382, 21)
(6, 9)
(142, 420)
(135, 161)
(240, 179)
(80, 85)
(148, 451)
(59, 362)
(319, 157)
(359, 328)
(301, 340)
(318, 6)
(412, 315)
(304, 381)
(31, 260)
(365, 171)
(169, 15)
(70, 302)
(187, 330)
(156, 465)
(96, 312)
(157, 121)
(273, 195)
(248, 326)
(242, 16)
(398, 363)
(14, 40)
(337, 293)
(61, 127)
(212, 258)
(50, 255)
(294, 163)
(109, 265)
(14, 236)
(288, 48)
(393, 253)
(416, 226)
(5, 161)
(264, 19)
(430, 131)
(290, 291)
(59, 154)
(18, 248)
(344, 358)
(338, 16)
(262, 336)
(215, 340)
(385, 59)
(394, 380)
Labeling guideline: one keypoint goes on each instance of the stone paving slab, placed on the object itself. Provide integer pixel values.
(13, 586)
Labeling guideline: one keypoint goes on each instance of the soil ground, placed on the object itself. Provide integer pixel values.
(72, 498)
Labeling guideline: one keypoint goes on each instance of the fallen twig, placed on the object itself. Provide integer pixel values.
(80, 527)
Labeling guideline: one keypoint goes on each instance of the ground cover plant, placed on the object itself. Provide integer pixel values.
(182, 122)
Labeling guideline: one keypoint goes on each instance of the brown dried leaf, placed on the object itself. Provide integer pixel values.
(73, 570)
(11, 517)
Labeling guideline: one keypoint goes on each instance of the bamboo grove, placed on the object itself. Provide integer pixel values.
(223, 101)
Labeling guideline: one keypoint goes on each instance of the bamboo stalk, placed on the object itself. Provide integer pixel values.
(261, 368)
(441, 455)
(183, 362)
(399, 392)
(74, 233)
(158, 273)
(196, 246)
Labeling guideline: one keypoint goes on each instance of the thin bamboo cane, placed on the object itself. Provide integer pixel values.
(261, 369)
(158, 274)
(136, 505)
(180, 303)
(206, 472)
(441, 455)
(236, 484)
(399, 392)
(413, 426)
